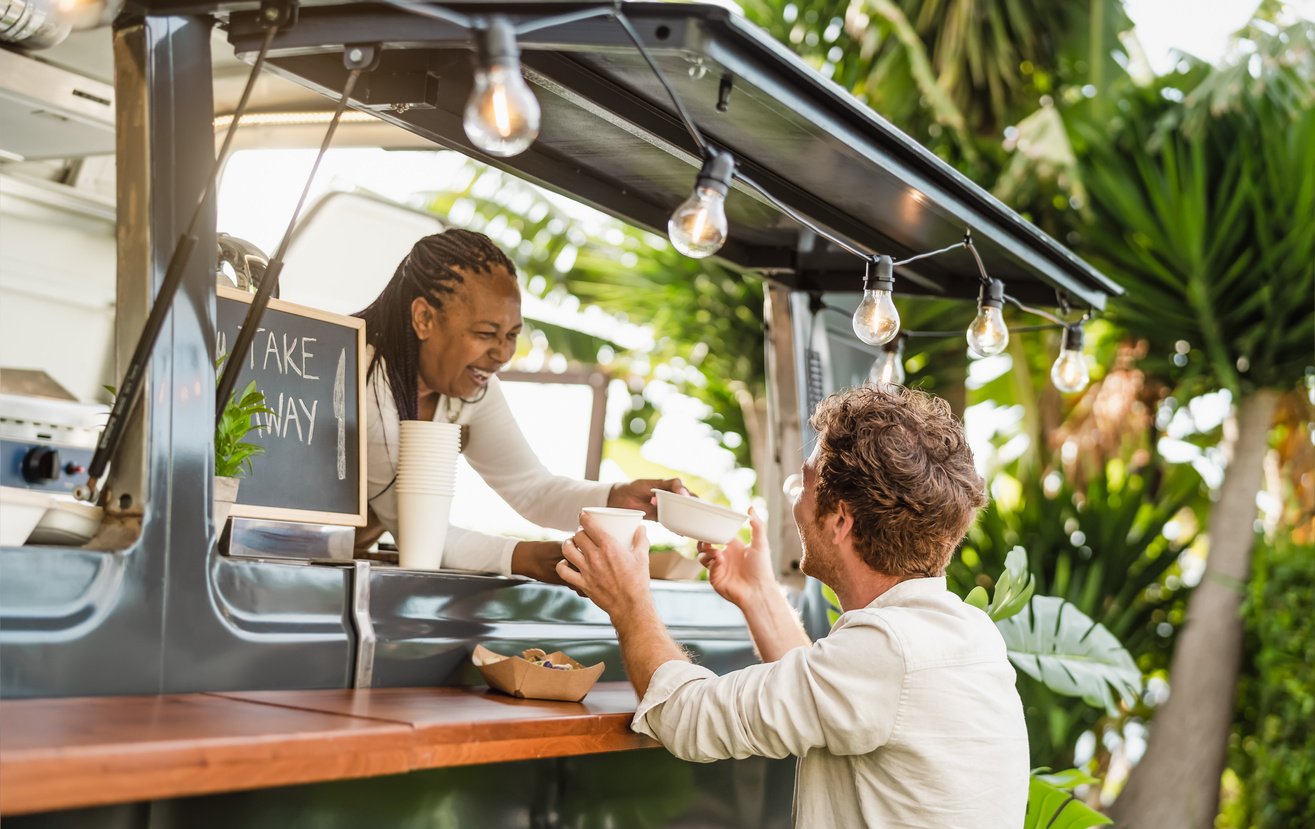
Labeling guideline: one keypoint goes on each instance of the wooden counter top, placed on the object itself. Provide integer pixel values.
(87, 751)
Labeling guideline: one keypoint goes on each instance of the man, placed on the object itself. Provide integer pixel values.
(906, 714)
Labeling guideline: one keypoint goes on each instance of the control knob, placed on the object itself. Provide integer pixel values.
(41, 465)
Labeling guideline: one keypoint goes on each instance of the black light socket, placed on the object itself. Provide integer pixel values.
(1073, 338)
(884, 278)
(716, 172)
(497, 40)
(992, 294)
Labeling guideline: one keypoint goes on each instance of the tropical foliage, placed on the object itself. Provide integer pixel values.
(1051, 803)
(233, 454)
(1208, 236)
(1061, 647)
(1273, 748)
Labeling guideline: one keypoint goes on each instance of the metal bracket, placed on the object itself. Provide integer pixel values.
(724, 93)
(362, 626)
(362, 56)
(1061, 299)
(281, 13)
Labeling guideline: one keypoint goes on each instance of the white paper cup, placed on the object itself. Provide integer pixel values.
(428, 430)
(446, 492)
(620, 524)
(427, 467)
(410, 443)
(408, 473)
(422, 521)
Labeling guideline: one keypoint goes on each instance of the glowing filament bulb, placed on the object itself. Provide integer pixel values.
(502, 115)
(1069, 373)
(876, 320)
(699, 228)
(988, 335)
(888, 368)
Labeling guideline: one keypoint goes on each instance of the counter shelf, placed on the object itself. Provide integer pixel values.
(91, 751)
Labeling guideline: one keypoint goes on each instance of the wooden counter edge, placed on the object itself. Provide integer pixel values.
(51, 779)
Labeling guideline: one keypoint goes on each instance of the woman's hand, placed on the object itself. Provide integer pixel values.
(739, 571)
(639, 494)
(538, 560)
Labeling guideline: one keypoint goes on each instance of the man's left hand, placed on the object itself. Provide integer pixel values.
(615, 577)
(639, 494)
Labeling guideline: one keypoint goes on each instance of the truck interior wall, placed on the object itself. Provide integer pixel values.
(57, 282)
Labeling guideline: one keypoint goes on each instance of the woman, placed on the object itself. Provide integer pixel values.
(437, 336)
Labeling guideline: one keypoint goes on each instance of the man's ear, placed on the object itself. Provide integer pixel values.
(424, 318)
(842, 523)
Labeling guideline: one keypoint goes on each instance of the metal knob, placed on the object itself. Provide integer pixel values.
(41, 465)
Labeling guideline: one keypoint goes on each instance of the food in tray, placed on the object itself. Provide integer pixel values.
(535, 674)
(537, 656)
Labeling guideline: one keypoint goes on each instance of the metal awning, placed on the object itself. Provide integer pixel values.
(610, 138)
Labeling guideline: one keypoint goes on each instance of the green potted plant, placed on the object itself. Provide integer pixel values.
(233, 454)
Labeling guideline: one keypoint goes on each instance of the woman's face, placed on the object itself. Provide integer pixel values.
(471, 338)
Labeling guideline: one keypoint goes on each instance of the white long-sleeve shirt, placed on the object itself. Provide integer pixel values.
(904, 717)
(496, 449)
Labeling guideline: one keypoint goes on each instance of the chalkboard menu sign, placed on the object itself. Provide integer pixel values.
(311, 366)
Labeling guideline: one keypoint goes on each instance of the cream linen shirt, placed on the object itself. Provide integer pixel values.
(905, 715)
(499, 452)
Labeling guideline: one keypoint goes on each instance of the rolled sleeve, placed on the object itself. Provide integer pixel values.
(666, 680)
(478, 552)
(841, 693)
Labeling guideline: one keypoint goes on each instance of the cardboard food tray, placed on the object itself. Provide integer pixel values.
(520, 678)
(670, 565)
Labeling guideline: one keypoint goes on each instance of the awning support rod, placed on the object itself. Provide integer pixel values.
(129, 391)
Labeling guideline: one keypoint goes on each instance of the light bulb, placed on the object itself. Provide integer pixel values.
(1069, 373)
(876, 321)
(988, 335)
(888, 368)
(502, 115)
(698, 228)
(88, 14)
(793, 486)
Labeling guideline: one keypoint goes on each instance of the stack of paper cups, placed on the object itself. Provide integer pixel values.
(426, 481)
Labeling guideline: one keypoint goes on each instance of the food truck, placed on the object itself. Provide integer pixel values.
(159, 667)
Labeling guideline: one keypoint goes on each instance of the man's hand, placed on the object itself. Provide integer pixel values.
(740, 572)
(615, 578)
(639, 494)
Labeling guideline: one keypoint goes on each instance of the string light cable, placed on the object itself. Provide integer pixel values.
(502, 119)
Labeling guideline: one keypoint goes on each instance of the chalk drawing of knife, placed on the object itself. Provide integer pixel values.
(340, 412)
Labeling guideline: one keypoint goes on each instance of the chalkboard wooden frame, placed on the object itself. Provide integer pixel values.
(357, 519)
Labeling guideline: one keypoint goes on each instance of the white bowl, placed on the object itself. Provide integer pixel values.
(697, 519)
(20, 510)
(68, 523)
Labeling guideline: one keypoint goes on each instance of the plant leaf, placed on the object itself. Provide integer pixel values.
(1054, 642)
(1051, 807)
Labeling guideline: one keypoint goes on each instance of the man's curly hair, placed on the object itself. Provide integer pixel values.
(899, 461)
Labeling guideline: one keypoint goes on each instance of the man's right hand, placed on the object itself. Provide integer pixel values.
(739, 572)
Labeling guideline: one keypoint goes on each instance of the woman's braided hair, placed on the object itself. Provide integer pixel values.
(435, 268)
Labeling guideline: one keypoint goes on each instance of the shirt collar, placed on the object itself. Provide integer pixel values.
(908, 589)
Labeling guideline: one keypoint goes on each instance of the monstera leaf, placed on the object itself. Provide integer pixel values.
(1013, 589)
(1057, 644)
(1051, 804)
